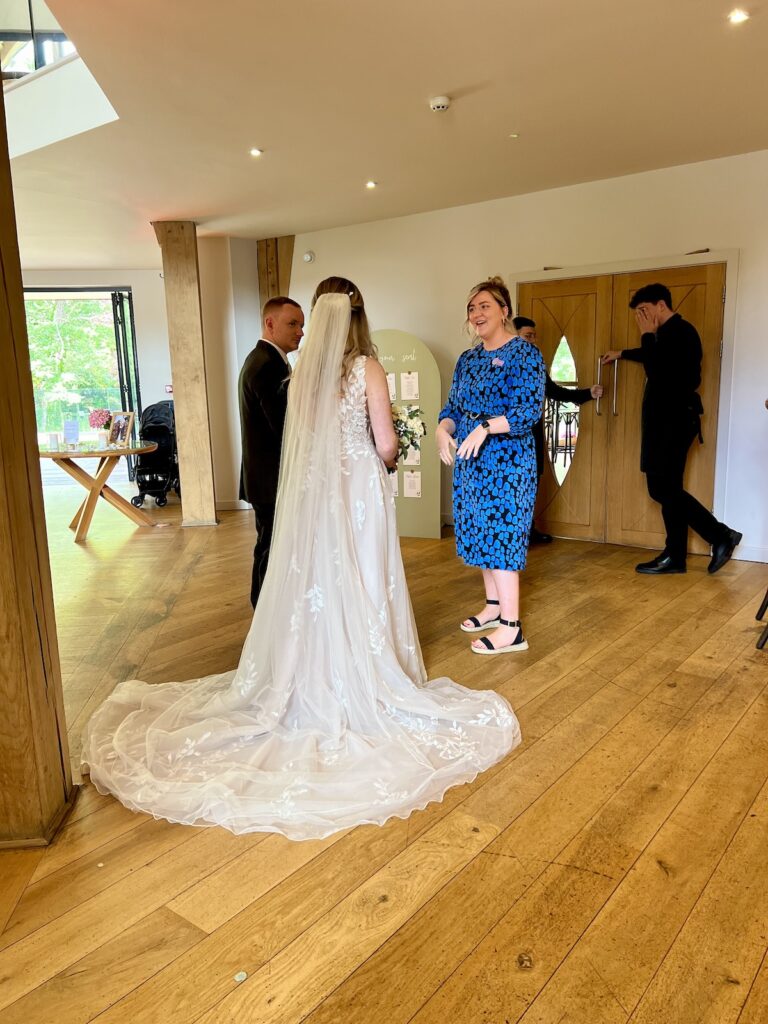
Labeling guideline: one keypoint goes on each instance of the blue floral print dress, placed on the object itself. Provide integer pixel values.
(494, 493)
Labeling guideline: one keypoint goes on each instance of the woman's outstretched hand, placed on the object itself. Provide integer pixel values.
(445, 444)
(472, 443)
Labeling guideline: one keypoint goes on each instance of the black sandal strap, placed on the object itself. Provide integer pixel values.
(489, 601)
(506, 622)
(475, 621)
(487, 642)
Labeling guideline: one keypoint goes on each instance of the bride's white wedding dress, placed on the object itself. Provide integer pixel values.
(328, 720)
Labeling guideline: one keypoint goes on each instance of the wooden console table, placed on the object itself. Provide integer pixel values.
(96, 485)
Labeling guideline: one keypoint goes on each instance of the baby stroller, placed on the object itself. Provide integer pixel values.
(158, 471)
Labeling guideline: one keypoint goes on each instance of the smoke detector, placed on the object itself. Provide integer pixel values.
(439, 103)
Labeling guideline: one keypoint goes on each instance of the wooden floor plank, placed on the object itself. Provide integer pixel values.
(82, 991)
(616, 870)
(755, 1009)
(549, 919)
(37, 957)
(256, 935)
(300, 976)
(111, 864)
(719, 950)
(661, 885)
(84, 835)
(17, 867)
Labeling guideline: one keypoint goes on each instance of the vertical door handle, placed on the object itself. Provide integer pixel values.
(599, 381)
(614, 408)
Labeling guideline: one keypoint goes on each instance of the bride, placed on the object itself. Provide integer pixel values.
(328, 721)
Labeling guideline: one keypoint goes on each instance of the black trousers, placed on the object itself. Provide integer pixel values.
(265, 518)
(681, 510)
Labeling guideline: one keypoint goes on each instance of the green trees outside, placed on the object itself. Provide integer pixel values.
(74, 364)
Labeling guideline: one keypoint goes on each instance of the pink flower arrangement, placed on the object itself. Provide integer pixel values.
(100, 418)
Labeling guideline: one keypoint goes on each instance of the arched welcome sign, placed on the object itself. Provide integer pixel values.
(414, 389)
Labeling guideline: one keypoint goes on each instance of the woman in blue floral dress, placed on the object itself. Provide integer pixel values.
(496, 397)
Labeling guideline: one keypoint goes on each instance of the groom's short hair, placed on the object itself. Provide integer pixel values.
(272, 305)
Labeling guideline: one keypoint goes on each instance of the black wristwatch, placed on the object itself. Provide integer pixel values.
(486, 424)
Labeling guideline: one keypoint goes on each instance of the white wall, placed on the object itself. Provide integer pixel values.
(415, 272)
(54, 103)
(148, 312)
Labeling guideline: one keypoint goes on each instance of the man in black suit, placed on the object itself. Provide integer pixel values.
(262, 391)
(526, 329)
(670, 352)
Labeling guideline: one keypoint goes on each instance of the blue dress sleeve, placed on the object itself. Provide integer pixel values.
(452, 410)
(526, 390)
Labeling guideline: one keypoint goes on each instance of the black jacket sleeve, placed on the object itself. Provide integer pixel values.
(559, 393)
(635, 355)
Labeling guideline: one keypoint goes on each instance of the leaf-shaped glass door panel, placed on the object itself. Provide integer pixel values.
(561, 419)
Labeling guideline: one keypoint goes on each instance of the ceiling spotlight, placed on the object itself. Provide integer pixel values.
(514, 135)
(255, 151)
(738, 16)
(371, 184)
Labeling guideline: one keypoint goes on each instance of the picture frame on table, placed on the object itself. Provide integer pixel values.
(120, 429)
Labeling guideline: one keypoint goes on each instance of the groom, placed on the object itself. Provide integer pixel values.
(263, 399)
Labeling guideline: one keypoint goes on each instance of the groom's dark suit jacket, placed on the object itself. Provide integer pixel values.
(262, 391)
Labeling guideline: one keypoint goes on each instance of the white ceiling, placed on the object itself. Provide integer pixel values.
(335, 91)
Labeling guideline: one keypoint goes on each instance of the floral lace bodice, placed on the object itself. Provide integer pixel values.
(356, 437)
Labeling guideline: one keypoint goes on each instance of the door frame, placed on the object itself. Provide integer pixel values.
(730, 257)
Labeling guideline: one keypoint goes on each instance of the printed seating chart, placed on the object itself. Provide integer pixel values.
(415, 393)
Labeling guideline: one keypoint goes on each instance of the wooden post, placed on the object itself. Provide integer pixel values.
(178, 243)
(274, 257)
(35, 781)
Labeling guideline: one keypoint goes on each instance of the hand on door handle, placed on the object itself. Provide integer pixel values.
(598, 385)
(610, 357)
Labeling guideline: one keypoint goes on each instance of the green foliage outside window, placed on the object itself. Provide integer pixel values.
(74, 365)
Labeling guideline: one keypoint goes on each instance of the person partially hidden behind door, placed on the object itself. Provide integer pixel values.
(670, 353)
(526, 329)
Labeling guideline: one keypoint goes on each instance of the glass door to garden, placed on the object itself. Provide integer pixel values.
(82, 347)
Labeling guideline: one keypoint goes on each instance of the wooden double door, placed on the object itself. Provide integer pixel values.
(603, 495)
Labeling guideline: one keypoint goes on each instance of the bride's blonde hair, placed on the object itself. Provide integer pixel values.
(359, 338)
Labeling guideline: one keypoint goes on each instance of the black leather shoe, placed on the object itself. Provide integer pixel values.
(722, 551)
(537, 537)
(661, 565)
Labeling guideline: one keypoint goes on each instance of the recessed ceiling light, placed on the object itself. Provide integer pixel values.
(738, 16)
(371, 184)
(255, 151)
(514, 135)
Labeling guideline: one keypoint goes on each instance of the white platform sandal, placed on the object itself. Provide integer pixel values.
(477, 626)
(518, 644)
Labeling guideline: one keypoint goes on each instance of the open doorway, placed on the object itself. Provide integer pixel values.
(83, 354)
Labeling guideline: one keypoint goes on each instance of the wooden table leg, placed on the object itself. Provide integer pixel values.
(76, 518)
(99, 480)
(97, 487)
(138, 515)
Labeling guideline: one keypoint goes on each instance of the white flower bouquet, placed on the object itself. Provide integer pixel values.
(409, 426)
